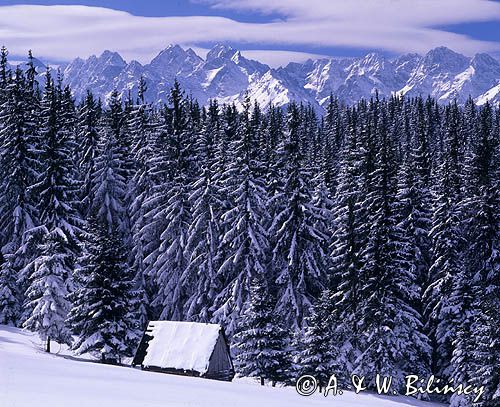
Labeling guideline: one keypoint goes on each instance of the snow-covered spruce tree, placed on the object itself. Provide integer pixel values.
(225, 138)
(487, 248)
(48, 291)
(150, 205)
(120, 117)
(413, 204)
(454, 147)
(171, 213)
(10, 308)
(411, 244)
(109, 183)
(322, 201)
(393, 343)
(57, 235)
(465, 288)
(447, 240)
(4, 67)
(18, 169)
(142, 127)
(109, 206)
(100, 314)
(414, 195)
(299, 247)
(331, 143)
(261, 339)
(320, 356)
(308, 133)
(245, 241)
(273, 136)
(88, 140)
(476, 291)
(204, 229)
(113, 171)
(5, 73)
(271, 162)
(346, 247)
(413, 217)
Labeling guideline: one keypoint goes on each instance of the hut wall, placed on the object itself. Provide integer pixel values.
(220, 366)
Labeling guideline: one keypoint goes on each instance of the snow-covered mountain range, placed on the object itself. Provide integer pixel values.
(225, 74)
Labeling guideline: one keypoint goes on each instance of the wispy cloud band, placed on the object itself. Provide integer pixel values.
(64, 32)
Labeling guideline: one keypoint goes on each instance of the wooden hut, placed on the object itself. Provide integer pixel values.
(185, 348)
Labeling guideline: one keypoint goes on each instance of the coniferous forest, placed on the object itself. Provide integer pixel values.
(362, 241)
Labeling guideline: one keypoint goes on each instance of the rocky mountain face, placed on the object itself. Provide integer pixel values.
(225, 74)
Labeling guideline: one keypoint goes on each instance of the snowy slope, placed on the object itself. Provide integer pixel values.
(492, 96)
(29, 377)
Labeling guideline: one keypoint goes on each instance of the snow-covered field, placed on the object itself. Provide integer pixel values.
(31, 378)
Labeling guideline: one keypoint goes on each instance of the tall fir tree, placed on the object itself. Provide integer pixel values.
(245, 239)
(204, 232)
(261, 340)
(172, 212)
(100, 314)
(88, 148)
(476, 292)
(300, 243)
(393, 336)
(446, 238)
(142, 126)
(56, 238)
(321, 356)
(20, 166)
(346, 262)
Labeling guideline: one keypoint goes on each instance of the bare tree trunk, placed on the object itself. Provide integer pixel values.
(262, 381)
(47, 348)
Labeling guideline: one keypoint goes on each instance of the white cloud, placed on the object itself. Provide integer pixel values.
(273, 58)
(415, 13)
(64, 32)
(280, 58)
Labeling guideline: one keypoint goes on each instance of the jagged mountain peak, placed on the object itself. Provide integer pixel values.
(171, 54)
(174, 47)
(371, 63)
(441, 50)
(405, 64)
(443, 57)
(134, 63)
(483, 60)
(191, 54)
(134, 68)
(221, 51)
(405, 59)
(373, 58)
(113, 58)
(236, 58)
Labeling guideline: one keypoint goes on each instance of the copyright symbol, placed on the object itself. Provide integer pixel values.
(306, 385)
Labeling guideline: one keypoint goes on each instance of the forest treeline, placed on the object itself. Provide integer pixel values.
(364, 241)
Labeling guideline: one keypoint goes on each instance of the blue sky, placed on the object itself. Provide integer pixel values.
(276, 31)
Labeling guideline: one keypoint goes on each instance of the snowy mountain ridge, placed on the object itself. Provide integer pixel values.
(226, 75)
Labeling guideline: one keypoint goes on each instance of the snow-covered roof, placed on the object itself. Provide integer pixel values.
(181, 345)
